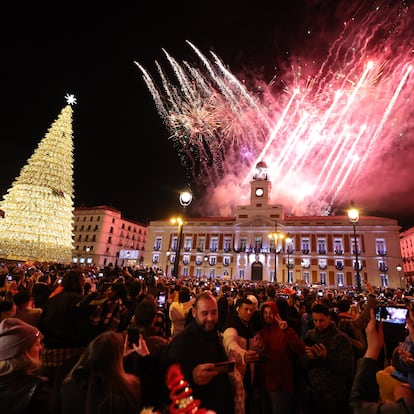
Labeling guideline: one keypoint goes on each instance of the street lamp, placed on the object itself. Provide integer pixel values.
(288, 242)
(185, 200)
(353, 215)
(274, 237)
(399, 268)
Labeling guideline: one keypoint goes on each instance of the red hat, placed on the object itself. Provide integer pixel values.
(15, 337)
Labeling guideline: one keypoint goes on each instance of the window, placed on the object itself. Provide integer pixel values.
(226, 260)
(198, 272)
(212, 260)
(321, 246)
(382, 265)
(354, 250)
(339, 264)
(243, 244)
(306, 276)
(158, 243)
(155, 258)
(322, 264)
(241, 274)
(290, 247)
(186, 259)
(201, 244)
(185, 271)
(227, 244)
(384, 280)
(214, 244)
(305, 246)
(188, 242)
(381, 247)
(340, 279)
(322, 278)
(306, 263)
(174, 243)
(338, 246)
(290, 276)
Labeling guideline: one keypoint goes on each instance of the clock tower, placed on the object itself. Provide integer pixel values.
(260, 186)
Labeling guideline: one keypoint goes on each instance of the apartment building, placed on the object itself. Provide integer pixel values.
(103, 236)
(407, 252)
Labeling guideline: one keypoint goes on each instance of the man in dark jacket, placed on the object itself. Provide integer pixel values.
(328, 365)
(196, 350)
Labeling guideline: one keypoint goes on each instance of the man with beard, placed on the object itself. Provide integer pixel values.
(197, 349)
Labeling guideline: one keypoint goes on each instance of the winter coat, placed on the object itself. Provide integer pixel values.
(276, 371)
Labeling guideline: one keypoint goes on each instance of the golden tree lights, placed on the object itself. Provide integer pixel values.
(38, 208)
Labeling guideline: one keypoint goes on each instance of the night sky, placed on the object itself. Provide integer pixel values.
(123, 157)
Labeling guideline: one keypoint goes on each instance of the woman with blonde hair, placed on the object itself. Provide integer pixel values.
(98, 383)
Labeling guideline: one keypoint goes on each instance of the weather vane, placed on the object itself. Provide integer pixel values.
(70, 99)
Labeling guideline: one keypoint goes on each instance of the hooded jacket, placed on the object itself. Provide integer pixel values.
(276, 370)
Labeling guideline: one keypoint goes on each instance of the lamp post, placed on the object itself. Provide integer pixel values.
(353, 215)
(274, 237)
(205, 266)
(288, 242)
(167, 256)
(185, 200)
(399, 268)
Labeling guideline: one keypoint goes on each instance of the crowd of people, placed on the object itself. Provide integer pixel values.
(78, 339)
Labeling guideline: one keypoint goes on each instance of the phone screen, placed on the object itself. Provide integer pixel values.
(161, 300)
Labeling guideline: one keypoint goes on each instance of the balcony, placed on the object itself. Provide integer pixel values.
(383, 267)
(339, 251)
(382, 252)
(305, 251)
(339, 266)
(322, 251)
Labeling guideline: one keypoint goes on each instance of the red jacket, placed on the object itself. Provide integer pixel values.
(280, 347)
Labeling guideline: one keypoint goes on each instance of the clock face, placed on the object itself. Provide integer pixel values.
(259, 192)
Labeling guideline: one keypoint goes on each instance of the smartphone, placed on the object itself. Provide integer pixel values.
(161, 299)
(391, 314)
(9, 278)
(223, 367)
(309, 341)
(133, 336)
(320, 294)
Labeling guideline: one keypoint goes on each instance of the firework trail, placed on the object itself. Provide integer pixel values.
(324, 135)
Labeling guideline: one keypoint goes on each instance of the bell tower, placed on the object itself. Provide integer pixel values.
(260, 186)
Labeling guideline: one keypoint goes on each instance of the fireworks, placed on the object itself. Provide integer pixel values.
(326, 133)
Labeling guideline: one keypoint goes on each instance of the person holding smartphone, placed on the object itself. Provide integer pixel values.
(197, 349)
(364, 397)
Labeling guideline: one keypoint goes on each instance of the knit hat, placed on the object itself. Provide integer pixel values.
(15, 337)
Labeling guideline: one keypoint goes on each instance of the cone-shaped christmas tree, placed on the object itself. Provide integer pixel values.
(38, 208)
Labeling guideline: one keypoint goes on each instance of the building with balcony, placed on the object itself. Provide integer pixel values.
(407, 252)
(262, 243)
(102, 236)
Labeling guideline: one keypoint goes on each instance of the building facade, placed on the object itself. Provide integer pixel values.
(407, 252)
(102, 236)
(262, 243)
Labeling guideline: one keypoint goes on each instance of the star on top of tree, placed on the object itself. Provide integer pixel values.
(70, 99)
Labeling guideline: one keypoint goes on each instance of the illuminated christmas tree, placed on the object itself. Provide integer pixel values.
(38, 208)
